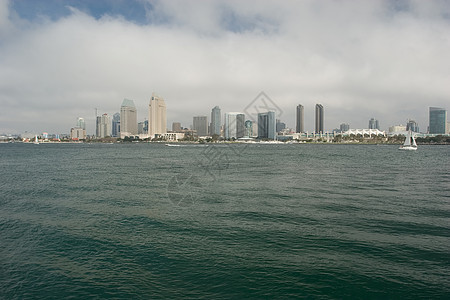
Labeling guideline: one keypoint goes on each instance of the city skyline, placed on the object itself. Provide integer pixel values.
(87, 56)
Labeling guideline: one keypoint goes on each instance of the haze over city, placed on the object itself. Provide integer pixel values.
(61, 59)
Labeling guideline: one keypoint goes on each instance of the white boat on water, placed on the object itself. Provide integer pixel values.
(173, 145)
(36, 142)
(410, 142)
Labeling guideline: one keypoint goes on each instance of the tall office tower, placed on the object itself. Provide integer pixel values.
(280, 125)
(412, 125)
(157, 123)
(81, 123)
(128, 119)
(176, 126)
(374, 124)
(319, 118)
(97, 126)
(141, 127)
(115, 130)
(300, 119)
(234, 125)
(215, 121)
(344, 127)
(266, 125)
(248, 128)
(200, 124)
(105, 126)
(438, 120)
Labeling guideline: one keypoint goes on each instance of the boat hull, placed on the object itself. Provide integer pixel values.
(408, 148)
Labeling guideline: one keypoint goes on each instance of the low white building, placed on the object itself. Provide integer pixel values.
(77, 133)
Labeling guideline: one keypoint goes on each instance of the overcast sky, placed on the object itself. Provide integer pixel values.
(60, 59)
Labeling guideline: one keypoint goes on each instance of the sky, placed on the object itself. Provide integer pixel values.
(61, 59)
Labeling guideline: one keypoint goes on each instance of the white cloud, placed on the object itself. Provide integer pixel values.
(359, 59)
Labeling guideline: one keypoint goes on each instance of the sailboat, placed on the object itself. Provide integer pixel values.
(36, 142)
(410, 142)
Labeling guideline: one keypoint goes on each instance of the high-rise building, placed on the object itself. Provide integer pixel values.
(105, 126)
(81, 123)
(115, 130)
(128, 119)
(438, 120)
(374, 124)
(412, 125)
(234, 125)
(248, 128)
(97, 125)
(266, 125)
(319, 118)
(344, 127)
(280, 126)
(216, 121)
(157, 123)
(176, 126)
(141, 128)
(200, 124)
(300, 119)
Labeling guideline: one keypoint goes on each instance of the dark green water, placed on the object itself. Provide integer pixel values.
(270, 221)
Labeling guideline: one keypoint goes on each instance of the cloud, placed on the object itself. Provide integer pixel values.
(359, 59)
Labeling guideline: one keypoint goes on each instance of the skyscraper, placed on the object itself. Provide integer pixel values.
(300, 119)
(234, 125)
(157, 123)
(412, 125)
(438, 120)
(176, 126)
(216, 121)
(344, 127)
(105, 126)
(374, 124)
(115, 125)
(81, 123)
(97, 125)
(319, 118)
(266, 125)
(200, 124)
(280, 125)
(248, 128)
(128, 119)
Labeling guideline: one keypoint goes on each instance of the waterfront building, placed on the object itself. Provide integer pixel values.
(280, 126)
(412, 125)
(248, 128)
(142, 127)
(115, 128)
(105, 126)
(319, 128)
(266, 125)
(98, 120)
(77, 133)
(234, 125)
(300, 121)
(216, 121)
(397, 129)
(374, 124)
(81, 123)
(157, 123)
(438, 120)
(200, 124)
(176, 126)
(128, 119)
(344, 127)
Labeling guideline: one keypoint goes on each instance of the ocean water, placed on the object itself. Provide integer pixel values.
(148, 221)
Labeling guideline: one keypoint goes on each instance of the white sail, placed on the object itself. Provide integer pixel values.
(413, 141)
(407, 139)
